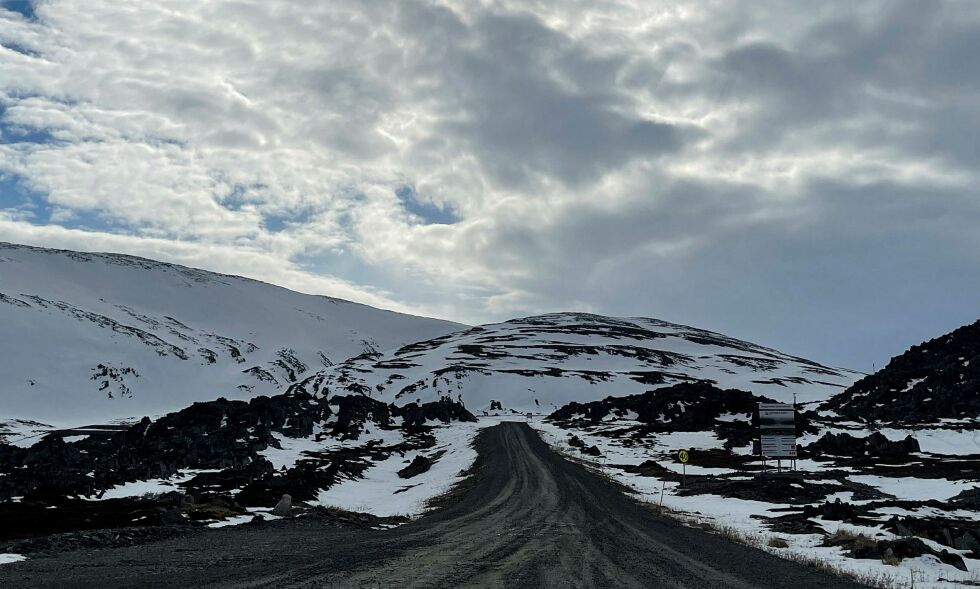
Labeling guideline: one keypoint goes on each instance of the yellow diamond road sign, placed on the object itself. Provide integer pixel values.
(683, 456)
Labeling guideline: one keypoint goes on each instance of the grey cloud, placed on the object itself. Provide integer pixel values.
(866, 272)
(856, 81)
(525, 99)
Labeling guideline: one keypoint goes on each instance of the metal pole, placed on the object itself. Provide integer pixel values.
(684, 474)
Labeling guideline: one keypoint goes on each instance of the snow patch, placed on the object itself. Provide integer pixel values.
(383, 493)
(7, 558)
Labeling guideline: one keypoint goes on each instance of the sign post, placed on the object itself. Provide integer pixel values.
(683, 456)
(777, 422)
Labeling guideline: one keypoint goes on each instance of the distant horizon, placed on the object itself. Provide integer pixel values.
(801, 178)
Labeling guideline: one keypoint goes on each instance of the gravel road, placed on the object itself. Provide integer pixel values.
(527, 518)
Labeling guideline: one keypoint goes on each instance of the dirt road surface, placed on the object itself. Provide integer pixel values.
(527, 518)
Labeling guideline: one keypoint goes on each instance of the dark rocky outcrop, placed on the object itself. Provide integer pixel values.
(354, 410)
(681, 407)
(958, 534)
(791, 488)
(576, 442)
(651, 468)
(933, 380)
(875, 445)
(835, 511)
(687, 406)
(892, 551)
(418, 465)
(219, 434)
(30, 518)
(967, 499)
(415, 416)
(222, 437)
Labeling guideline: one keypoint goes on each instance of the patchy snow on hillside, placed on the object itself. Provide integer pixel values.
(223, 460)
(648, 465)
(151, 486)
(541, 363)
(22, 433)
(86, 338)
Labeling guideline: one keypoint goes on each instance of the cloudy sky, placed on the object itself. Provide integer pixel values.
(806, 179)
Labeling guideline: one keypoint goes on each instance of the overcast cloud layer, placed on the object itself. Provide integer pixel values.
(804, 179)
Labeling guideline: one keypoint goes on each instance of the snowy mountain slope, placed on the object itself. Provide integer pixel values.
(88, 337)
(541, 363)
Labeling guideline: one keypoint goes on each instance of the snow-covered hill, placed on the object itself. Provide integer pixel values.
(88, 337)
(538, 364)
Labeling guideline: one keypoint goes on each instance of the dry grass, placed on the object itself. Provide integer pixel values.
(848, 538)
(875, 580)
(891, 560)
(761, 541)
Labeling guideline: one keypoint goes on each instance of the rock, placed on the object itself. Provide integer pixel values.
(893, 551)
(415, 416)
(173, 517)
(577, 442)
(354, 411)
(285, 506)
(794, 523)
(651, 468)
(836, 511)
(419, 465)
(953, 560)
(960, 534)
(968, 541)
(967, 499)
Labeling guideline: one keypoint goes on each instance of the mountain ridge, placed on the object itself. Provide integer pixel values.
(561, 357)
